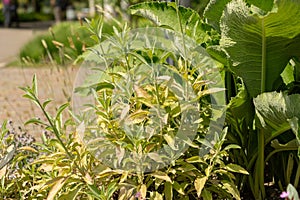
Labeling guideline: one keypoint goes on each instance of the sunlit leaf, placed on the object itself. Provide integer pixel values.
(235, 168)
(232, 189)
(199, 184)
(165, 14)
(170, 141)
(143, 191)
(59, 183)
(162, 176)
(260, 46)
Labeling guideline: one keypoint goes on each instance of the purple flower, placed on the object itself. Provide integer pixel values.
(138, 195)
(284, 194)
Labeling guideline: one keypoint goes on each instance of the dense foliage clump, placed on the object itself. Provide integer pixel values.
(192, 107)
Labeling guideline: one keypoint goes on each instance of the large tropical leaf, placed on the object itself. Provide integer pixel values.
(278, 112)
(165, 14)
(260, 46)
(215, 8)
(214, 11)
(264, 5)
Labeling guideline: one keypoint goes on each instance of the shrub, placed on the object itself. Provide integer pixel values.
(62, 44)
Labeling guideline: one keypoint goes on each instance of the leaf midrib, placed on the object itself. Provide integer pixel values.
(263, 57)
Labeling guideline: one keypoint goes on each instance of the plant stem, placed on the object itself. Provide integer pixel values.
(297, 177)
(261, 136)
(56, 133)
(261, 163)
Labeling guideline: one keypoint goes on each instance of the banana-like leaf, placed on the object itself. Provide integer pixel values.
(260, 46)
(165, 14)
(214, 11)
(278, 112)
(264, 5)
(215, 8)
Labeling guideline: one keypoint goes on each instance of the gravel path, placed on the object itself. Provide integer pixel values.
(55, 83)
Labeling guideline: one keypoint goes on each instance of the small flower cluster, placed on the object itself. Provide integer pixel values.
(21, 137)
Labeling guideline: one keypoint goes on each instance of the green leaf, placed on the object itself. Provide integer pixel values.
(260, 46)
(46, 103)
(231, 146)
(199, 184)
(275, 110)
(294, 123)
(265, 5)
(236, 168)
(214, 11)
(168, 190)
(165, 14)
(112, 187)
(71, 194)
(61, 109)
(35, 121)
(206, 195)
(278, 113)
(240, 108)
(94, 191)
(29, 96)
(293, 144)
(288, 74)
(289, 167)
(195, 159)
(179, 188)
(218, 54)
(34, 88)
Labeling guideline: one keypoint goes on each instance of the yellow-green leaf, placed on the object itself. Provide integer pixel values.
(143, 191)
(162, 176)
(170, 141)
(28, 148)
(231, 188)
(155, 196)
(138, 116)
(56, 187)
(71, 194)
(236, 168)
(199, 184)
